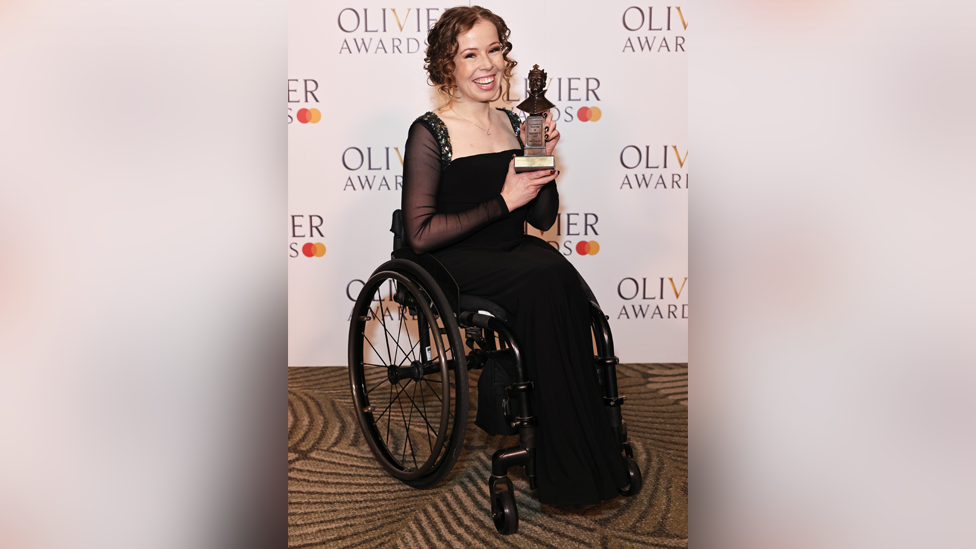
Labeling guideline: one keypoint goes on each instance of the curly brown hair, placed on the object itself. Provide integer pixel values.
(442, 46)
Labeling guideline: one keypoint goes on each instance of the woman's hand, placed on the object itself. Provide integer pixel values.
(520, 188)
(552, 134)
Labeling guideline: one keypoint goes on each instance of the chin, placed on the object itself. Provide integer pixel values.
(486, 95)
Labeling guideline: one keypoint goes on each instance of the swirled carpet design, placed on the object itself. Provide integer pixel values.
(339, 496)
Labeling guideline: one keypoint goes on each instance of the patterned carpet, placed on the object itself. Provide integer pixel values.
(339, 496)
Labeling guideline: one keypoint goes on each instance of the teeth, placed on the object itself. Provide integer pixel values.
(485, 81)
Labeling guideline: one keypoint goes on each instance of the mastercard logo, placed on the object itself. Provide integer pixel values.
(313, 249)
(311, 116)
(587, 248)
(588, 114)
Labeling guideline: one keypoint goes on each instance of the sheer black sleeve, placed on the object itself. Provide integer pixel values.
(426, 229)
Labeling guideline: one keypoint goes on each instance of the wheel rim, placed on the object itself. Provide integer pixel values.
(402, 391)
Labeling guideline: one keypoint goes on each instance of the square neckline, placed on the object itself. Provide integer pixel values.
(445, 142)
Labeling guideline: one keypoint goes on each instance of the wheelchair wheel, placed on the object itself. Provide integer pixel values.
(506, 517)
(636, 481)
(408, 374)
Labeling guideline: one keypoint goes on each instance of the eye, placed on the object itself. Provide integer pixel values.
(496, 49)
(469, 56)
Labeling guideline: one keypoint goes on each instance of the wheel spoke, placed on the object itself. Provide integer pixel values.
(413, 453)
(383, 321)
(392, 398)
(449, 412)
(429, 426)
(423, 401)
(396, 349)
(378, 355)
(400, 404)
(382, 381)
(406, 357)
(388, 336)
(405, 330)
(388, 417)
(409, 342)
(406, 429)
(433, 389)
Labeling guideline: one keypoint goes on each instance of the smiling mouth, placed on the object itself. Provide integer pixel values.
(485, 82)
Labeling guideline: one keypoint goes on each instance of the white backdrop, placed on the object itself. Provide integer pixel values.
(355, 84)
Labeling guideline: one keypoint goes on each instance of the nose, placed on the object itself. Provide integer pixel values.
(485, 62)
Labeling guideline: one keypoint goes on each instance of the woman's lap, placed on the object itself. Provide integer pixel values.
(506, 276)
(577, 456)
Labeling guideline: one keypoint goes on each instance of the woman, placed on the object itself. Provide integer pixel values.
(464, 203)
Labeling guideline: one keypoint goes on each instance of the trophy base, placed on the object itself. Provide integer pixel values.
(534, 163)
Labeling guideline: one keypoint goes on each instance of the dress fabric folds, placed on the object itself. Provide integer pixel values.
(453, 209)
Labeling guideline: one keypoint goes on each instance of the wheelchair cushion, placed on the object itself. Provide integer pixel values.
(475, 303)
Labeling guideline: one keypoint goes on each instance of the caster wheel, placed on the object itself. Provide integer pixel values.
(506, 513)
(633, 471)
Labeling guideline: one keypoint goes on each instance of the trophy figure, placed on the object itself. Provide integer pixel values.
(534, 138)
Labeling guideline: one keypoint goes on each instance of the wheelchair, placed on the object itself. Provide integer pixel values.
(408, 371)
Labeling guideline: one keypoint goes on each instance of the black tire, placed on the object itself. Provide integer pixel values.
(636, 481)
(506, 517)
(411, 398)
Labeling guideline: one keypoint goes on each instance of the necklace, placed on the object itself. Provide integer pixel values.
(488, 131)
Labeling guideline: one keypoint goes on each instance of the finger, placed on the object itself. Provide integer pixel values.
(550, 126)
(551, 145)
(511, 165)
(543, 176)
(542, 181)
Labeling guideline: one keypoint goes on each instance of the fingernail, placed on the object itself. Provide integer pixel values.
(545, 114)
(547, 137)
(547, 128)
(557, 173)
(552, 172)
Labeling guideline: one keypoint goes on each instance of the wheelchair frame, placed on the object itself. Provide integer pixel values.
(428, 292)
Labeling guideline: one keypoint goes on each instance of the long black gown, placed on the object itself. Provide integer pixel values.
(454, 210)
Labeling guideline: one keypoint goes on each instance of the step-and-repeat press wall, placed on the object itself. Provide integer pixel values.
(619, 82)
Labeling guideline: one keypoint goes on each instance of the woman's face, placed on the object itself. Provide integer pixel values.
(479, 64)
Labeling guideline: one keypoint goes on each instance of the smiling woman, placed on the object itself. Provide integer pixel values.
(457, 35)
(464, 204)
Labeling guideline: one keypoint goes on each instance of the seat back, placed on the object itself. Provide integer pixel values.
(437, 273)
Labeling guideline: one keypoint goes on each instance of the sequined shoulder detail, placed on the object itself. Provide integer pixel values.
(437, 127)
(516, 122)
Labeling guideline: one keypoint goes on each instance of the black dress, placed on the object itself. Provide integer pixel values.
(454, 210)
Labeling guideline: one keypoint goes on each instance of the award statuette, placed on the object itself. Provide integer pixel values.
(534, 138)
